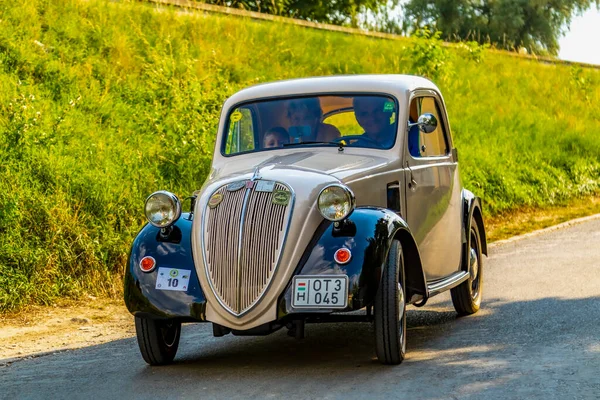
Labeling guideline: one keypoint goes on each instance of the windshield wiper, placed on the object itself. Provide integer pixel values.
(340, 144)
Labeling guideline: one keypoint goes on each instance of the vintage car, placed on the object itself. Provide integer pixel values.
(329, 199)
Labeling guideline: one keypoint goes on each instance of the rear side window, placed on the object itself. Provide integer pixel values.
(421, 144)
(240, 135)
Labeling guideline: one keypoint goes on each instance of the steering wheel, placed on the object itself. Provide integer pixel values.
(358, 138)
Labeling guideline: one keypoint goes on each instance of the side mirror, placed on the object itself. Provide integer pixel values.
(427, 123)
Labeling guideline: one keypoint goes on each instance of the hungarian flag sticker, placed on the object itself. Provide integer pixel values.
(301, 292)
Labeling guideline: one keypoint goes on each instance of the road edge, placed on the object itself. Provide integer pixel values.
(538, 232)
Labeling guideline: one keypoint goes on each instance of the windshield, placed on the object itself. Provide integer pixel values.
(352, 120)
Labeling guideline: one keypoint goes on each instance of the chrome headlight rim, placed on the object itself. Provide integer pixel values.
(350, 195)
(176, 202)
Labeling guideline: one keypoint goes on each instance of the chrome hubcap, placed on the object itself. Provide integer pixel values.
(401, 300)
(169, 334)
(401, 315)
(474, 264)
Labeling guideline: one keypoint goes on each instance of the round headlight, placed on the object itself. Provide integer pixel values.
(162, 209)
(336, 202)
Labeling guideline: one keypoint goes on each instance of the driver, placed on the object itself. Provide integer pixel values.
(374, 117)
(307, 113)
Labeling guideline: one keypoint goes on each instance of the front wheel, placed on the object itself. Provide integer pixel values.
(390, 309)
(466, 297)
(158, 339)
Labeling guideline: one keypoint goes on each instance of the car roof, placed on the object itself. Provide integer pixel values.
(392, 84)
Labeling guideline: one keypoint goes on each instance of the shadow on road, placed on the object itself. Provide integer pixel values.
(541, 347)
(342, 343)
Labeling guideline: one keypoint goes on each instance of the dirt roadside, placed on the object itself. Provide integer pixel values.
(65, 326)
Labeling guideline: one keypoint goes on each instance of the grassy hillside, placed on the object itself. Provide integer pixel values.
(102, 103)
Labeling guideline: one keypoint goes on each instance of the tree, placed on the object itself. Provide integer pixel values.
(510, 24)
(339, 12)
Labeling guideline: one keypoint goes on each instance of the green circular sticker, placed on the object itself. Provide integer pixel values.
(281, 197)
(174, 273)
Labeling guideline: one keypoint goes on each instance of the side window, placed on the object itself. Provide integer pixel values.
(426, 144)
(240, 135)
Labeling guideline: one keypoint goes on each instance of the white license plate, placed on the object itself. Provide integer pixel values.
(173, 279)
(320, 291)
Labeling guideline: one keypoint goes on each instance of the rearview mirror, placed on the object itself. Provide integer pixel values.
(427, 123)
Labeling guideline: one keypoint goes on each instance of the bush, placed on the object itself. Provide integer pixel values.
(429, 57)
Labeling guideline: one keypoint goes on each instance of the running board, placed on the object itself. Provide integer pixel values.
(439, 286)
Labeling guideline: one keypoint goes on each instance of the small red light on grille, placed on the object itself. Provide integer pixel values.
(147, 264)
(342, 256)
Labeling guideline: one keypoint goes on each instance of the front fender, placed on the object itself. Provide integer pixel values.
(368, 234)
(472, 208)
(175, 251)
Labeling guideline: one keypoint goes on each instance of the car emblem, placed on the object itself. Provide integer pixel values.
(281, 197)
(232, 187)
(215, 200)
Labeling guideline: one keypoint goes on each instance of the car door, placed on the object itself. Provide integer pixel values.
(433, 190)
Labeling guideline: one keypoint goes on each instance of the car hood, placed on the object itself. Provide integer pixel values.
(338, 166)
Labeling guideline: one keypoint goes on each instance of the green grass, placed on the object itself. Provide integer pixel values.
(102, 103)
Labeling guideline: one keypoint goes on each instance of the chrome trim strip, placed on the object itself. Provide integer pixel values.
(256, 174)
(441, 285)
(240, 243)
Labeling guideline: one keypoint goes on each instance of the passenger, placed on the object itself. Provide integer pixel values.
(306, 114)
(275, 137)
(372, 116)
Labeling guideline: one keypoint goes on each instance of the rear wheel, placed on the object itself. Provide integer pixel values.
(158, 339)
(390, 310)
(466, 297)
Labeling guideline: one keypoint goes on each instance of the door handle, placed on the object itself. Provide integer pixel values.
(412, 184)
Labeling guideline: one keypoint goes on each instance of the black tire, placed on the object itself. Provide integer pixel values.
(390, 310)
(158, 339)
(466, 297)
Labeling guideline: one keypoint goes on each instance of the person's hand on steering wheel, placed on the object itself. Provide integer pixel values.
(358, 138)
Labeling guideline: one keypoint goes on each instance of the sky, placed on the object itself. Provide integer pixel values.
(582, 42)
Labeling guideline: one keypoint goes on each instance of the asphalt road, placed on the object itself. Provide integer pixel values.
(536, 337)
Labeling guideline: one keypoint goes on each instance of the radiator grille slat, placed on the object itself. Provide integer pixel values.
(243, 240)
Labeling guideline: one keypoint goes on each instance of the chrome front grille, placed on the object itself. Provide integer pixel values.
(243, 238)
